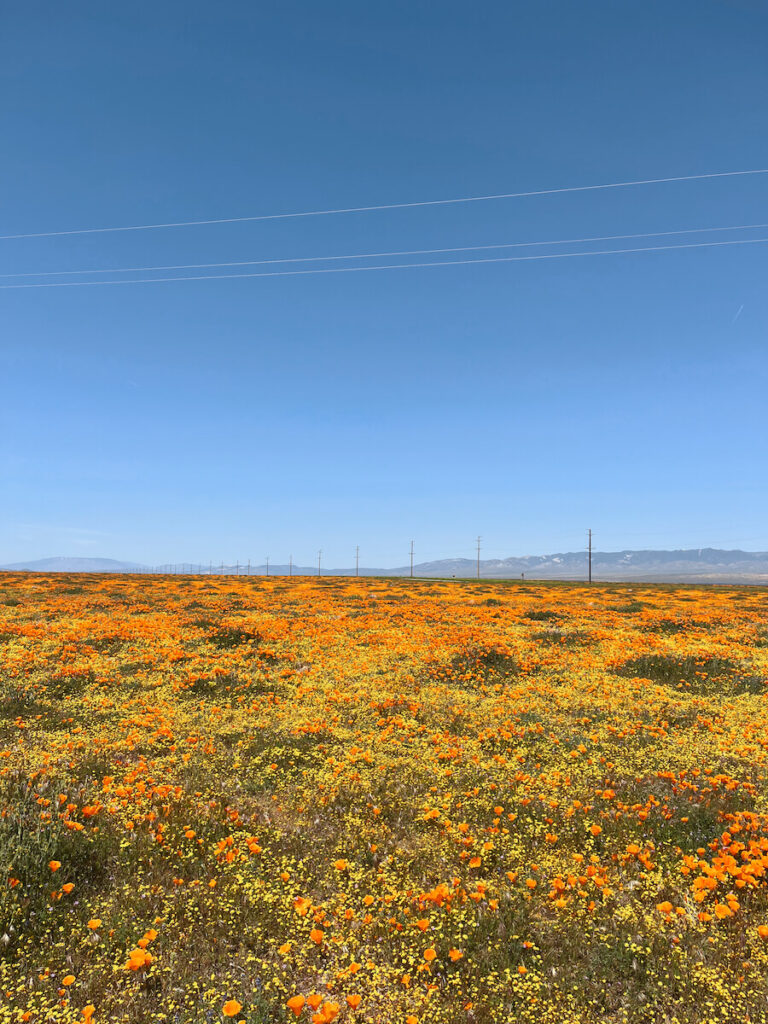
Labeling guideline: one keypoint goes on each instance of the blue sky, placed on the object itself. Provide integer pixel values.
(522, 401)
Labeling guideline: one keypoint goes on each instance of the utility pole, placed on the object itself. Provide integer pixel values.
(237, 568)
(319, 559)
(411, 559)
(357, 560)
(249, 567)
(589, 532)
(290, 565)
(478, 556)
(267, 565)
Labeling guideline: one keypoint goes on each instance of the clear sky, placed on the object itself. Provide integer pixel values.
(522, 401)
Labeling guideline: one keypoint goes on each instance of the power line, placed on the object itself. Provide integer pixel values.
(388, 266)
(385, 206)
(380, 255)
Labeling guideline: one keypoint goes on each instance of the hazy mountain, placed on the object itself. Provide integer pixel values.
(691, 565)
(75, 565)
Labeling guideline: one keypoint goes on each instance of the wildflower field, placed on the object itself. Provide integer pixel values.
(395, 801)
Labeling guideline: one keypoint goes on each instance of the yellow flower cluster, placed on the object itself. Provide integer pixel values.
(412, 802)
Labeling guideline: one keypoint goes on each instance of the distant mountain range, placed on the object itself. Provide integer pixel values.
(705, 565)
(75, 565)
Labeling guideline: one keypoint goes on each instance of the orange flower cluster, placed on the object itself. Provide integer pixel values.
(367, 800)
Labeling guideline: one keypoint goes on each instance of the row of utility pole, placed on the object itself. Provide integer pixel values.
(177, 568)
